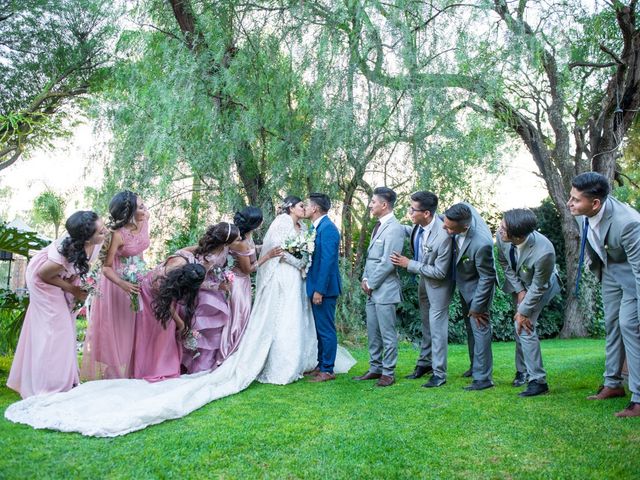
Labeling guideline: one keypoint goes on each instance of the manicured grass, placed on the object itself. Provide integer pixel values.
(347, 429)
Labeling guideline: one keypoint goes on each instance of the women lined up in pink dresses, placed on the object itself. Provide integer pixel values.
(109, 341)
(248, 220)
(168, 296)
(45, 359)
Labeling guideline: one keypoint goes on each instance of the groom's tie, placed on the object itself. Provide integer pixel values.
(416, 244)
(583, 244)
(375, 230)
(454, 257)
(512, 257)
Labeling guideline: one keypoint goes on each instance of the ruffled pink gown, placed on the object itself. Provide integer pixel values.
(210, 318)
(45, 359)
(109, 341)
(240, 303)
(156, 351)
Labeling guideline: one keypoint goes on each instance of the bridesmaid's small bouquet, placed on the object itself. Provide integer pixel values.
(224, 274)
(133, 271)
(88, 283)
(190, 342)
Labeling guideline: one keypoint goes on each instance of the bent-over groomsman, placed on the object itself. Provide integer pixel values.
(528, 259)
(382, 285)
(431, 248)
(474, 273)
(611, 239)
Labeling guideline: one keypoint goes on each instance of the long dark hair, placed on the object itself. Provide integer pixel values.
(122, 209)
(288, 202)
(81, 226)
(247, 219)
(180, 285)
(222, 233)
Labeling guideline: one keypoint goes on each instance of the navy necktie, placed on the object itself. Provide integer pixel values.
(416, 244)
(583, 244)
(454, 257)
(512, 257)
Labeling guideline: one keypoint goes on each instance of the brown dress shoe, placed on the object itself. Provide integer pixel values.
(604, 393)
(322, 377)
(312, 373)
(385, 381)
(368, 376)
(632, 410)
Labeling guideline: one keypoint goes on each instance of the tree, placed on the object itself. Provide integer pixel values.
(48, 208)
(52, 53)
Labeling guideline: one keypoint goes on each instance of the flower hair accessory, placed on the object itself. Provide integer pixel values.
(228, 232)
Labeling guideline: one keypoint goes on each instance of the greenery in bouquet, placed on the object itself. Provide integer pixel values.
(133, 271)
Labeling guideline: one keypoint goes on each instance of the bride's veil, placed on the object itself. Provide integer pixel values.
(279, 230)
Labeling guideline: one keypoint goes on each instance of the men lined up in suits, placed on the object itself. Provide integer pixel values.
(528, 259)
(611, 240)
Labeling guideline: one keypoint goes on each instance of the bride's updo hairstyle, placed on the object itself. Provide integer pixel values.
(247, 219)
(122, 209)
(222, 233)
(179, 285)
(80, 226)
(288, 203)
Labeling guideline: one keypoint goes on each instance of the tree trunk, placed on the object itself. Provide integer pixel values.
(575, 325)
(196, 185)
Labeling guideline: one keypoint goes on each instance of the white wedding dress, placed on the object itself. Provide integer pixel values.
(278, 345)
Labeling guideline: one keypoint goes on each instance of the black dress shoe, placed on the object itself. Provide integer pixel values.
(520, 379)
(479, 385)
(435, 381)
(467, 374)
(535, 388)
(420, 372)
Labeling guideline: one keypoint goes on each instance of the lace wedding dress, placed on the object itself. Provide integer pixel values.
(278, 345)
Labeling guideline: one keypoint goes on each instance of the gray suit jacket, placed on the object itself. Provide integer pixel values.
(380, 273)
(435, 267)
(535, 272)
(475, 270)
(619, 233)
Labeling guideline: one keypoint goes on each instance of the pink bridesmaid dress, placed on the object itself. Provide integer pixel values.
(240, 303)
(110, 332)
(46, 359)
(210, 318)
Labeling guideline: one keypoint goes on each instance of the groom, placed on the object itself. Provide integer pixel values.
(323, 285)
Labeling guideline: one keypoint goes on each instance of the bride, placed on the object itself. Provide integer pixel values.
(278, 346)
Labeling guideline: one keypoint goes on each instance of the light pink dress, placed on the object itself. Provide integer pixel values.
(240, 303)
(156, 352)
(45, 359)
(210, 318)
(109, 340)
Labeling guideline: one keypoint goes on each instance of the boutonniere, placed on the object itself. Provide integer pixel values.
(525, 269)
(464, 259)
(606, 247)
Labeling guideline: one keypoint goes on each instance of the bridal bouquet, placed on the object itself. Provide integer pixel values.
(133, 271)
(190, 342)
(301, 247)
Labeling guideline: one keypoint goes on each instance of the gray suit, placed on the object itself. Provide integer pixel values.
(475, 279)
(434, 295)
(619, 273)
(382, 277)
(535, 273)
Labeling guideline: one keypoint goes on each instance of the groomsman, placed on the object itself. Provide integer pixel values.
(381, 283)
(431, 248)
(611, 239)
(474, 273)
(528, 259)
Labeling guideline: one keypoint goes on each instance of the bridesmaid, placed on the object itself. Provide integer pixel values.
(212, 313)
(110, 332)
(244, 252)
(45, 359)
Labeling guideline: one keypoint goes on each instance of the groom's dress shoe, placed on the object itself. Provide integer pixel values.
(322, 377)
(632, 410)
(604, 393)
(467, 374)
(479, 385)
(520, 379)
(312, 373)
(368, 376)
(535, 388)
(385, 381)
(419, 372)
(435, 381)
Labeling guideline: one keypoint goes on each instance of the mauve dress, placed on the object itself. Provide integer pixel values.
(109, 341)
(210, 318)
(45, 360)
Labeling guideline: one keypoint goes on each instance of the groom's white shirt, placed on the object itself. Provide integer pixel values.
(317, 221)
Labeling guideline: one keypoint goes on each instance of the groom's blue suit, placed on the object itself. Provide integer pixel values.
(324, 277)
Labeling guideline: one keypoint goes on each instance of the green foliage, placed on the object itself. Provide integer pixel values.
(48, 208)
(19, 242)
(351, 430)
(12, 311)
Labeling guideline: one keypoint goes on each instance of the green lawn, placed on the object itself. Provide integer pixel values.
(347, 429)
